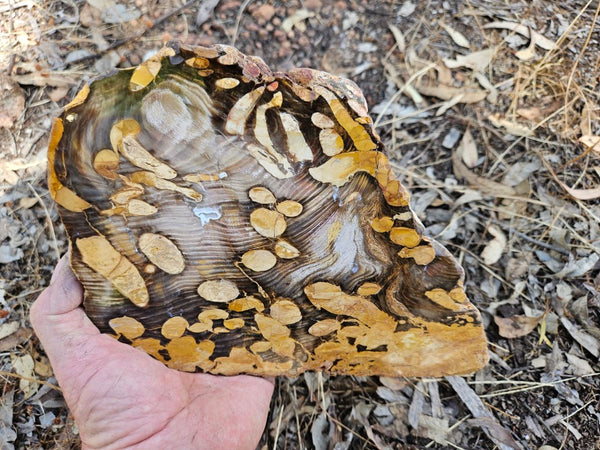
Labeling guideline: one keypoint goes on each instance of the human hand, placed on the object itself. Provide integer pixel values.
(122, 398)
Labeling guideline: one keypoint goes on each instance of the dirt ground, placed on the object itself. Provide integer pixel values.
(491, 116)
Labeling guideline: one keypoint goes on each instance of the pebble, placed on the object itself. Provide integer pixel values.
(313, 5)
(279, 35)
(264, 13)
(303, 41)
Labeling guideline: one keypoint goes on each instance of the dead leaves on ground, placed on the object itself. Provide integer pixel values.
(464, 78)
(516, 326)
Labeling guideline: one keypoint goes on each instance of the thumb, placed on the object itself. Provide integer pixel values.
(66, 289)
(57, 318)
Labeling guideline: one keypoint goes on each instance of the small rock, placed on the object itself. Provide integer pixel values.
(303, 42)
(313, 5)
(451, 138)
(108, 62)
(279, 35)
(90, 16)
(226, 6)
(366, 47)
(47, 419)
(407, 9)
(264, 13)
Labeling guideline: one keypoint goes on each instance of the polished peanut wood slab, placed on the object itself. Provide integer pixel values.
(228, 219)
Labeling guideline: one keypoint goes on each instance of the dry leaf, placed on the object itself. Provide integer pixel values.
(496, 432)
(539, 39)
(23, 366)
(206, 10)
(493, 428)
(469, 196)
(587, 341)
(58, 93)
(578, 366)
(433, 428)
(587, 117)
(581, 194)
(46, 78)
(21, 336)
(494, 249)
(395, 384)
(42, 367)
(7, 433)
(477, 61)
(407, 9)
(520, 171)
(467, 95)
(480, 183)
(390, 395)
(444, 75)
(115, 13)
(8, 328)
(297, 20)
(516, 326)
(27, 202)
(534, 114)
(492, 97)
(527, 53)
(416, 405)
(101, 5)
(398, 36)
(449, 104)
(319, 432)
(468, 150)
(516, 129)
(457, 37)
(591, 141)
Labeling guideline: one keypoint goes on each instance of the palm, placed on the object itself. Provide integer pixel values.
(121, 397)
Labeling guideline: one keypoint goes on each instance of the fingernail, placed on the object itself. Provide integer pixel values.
(60, 267)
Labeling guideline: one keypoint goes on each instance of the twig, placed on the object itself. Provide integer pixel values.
(238, 19)
(527, 136)
(404, 86)
(540, 421)
(48, 219)
(529, 386)
(277, 430)
(205, 10)
(524, 236)
(347, 428)
(32, 379)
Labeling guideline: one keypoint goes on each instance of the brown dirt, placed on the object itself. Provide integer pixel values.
(518, 203)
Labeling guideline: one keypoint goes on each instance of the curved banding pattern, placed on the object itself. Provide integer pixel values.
(228, 219)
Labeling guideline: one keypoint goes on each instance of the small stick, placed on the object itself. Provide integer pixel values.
(525, 236)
